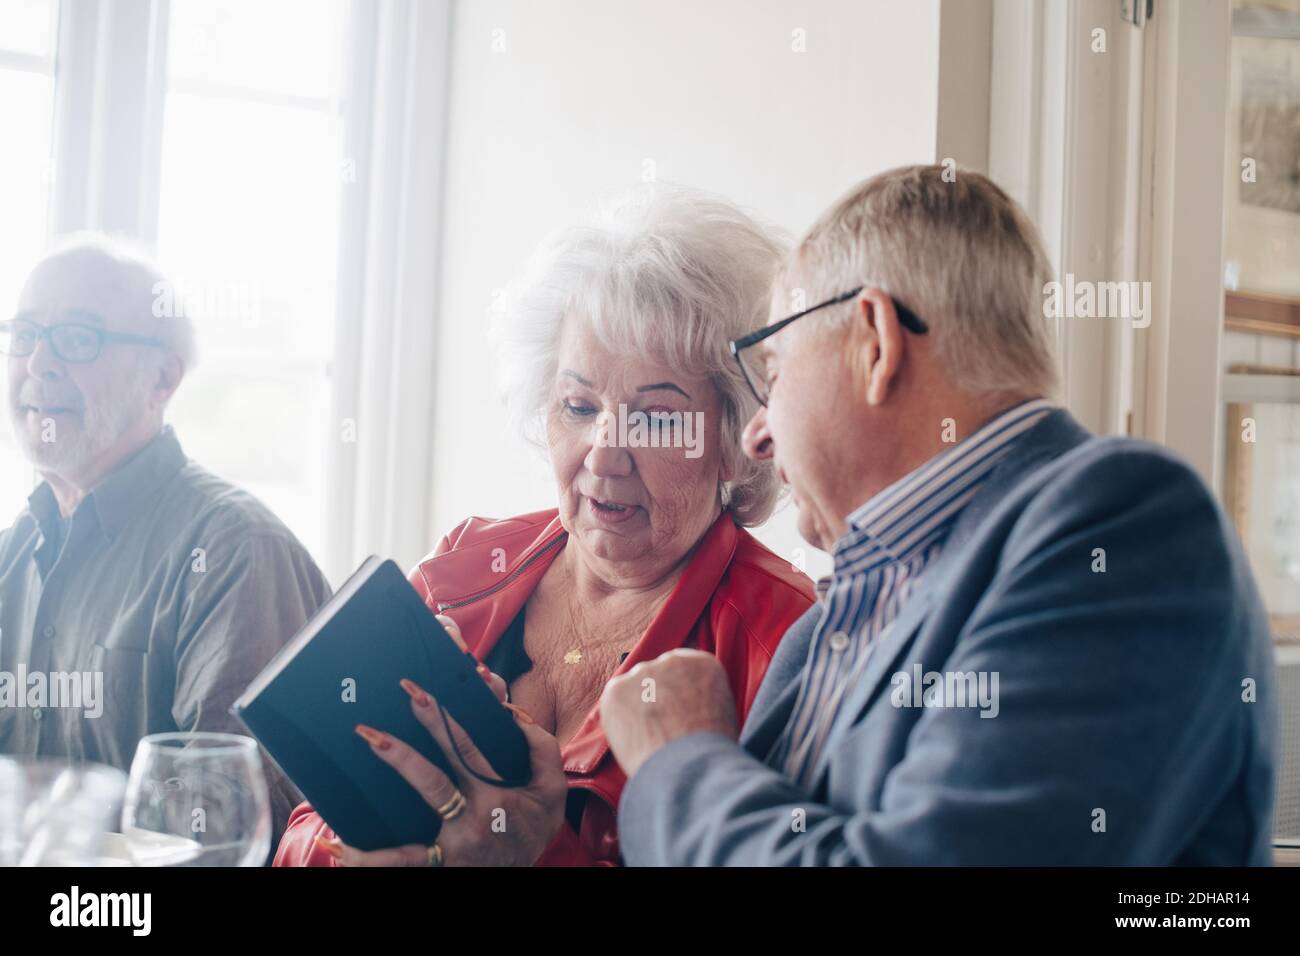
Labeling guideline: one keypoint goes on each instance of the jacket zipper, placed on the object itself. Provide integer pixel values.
(524, 565)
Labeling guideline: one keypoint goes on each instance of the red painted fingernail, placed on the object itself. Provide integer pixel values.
(520, 713)
(333, 847)
(373, 737)
(417, 695)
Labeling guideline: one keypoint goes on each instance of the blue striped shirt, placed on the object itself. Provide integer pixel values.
(889, 543)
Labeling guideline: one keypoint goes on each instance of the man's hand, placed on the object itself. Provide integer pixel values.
(682, 692)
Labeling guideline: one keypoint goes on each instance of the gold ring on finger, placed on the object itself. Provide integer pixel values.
(453, 807)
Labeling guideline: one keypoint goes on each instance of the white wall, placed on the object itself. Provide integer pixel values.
(584, 98)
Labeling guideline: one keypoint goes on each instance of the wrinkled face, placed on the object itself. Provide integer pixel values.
(810, 416)
(68, 415)
(638, 486)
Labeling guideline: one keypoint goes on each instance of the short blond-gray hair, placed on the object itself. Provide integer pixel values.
(665, 271)
(959, 252)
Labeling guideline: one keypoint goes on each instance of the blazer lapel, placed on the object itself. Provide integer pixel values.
(763, 727)
(780, 688)
(881, 662)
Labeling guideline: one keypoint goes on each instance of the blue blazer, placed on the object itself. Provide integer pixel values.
(1136, 715)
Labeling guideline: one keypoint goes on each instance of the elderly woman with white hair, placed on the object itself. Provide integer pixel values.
(616, 359)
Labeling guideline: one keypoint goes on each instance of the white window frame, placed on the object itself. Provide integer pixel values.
(1180, 376)
(1101, 155)
(379, 495)
(110, 68)
(41, 65)
(110, 73)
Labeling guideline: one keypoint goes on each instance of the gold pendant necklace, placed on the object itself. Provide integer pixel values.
(574, 655)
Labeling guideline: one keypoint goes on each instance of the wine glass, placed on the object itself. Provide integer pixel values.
(54, 812)
(197, 799)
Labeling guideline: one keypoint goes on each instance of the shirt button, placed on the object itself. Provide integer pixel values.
(839, 641)
(37, 714)
(48, 630)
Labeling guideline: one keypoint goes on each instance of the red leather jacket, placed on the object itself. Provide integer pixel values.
(735, 599)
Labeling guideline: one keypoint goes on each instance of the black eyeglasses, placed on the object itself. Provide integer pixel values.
(752, 367)
(70, 341)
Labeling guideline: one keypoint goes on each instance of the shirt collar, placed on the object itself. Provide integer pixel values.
(123, 493)
(918, 509)
(44, 507)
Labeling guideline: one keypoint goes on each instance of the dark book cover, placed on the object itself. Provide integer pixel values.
(342, 669)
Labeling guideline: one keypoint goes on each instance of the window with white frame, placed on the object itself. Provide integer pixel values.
(247, 200)
(284, 159)
(248, 221)
(27, 43)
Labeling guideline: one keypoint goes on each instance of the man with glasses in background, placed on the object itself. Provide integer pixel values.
(1036, 647)
(133, 572)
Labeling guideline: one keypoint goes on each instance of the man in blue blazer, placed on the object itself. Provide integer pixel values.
(1037, 646)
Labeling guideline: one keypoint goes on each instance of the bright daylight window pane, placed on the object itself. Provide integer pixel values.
(26, 103)
(282, 46)
(26, 26)
(25, 172)
(248, 225)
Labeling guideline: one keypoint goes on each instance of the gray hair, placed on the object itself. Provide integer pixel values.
(143, 285)
(960, 253)
(663, 270)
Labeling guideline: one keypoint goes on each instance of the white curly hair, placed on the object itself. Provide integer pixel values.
(662, 270)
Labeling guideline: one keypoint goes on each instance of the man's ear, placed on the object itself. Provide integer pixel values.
(875, 309)
(170, 372)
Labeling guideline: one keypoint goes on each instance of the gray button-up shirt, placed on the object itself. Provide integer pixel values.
(174, 585)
